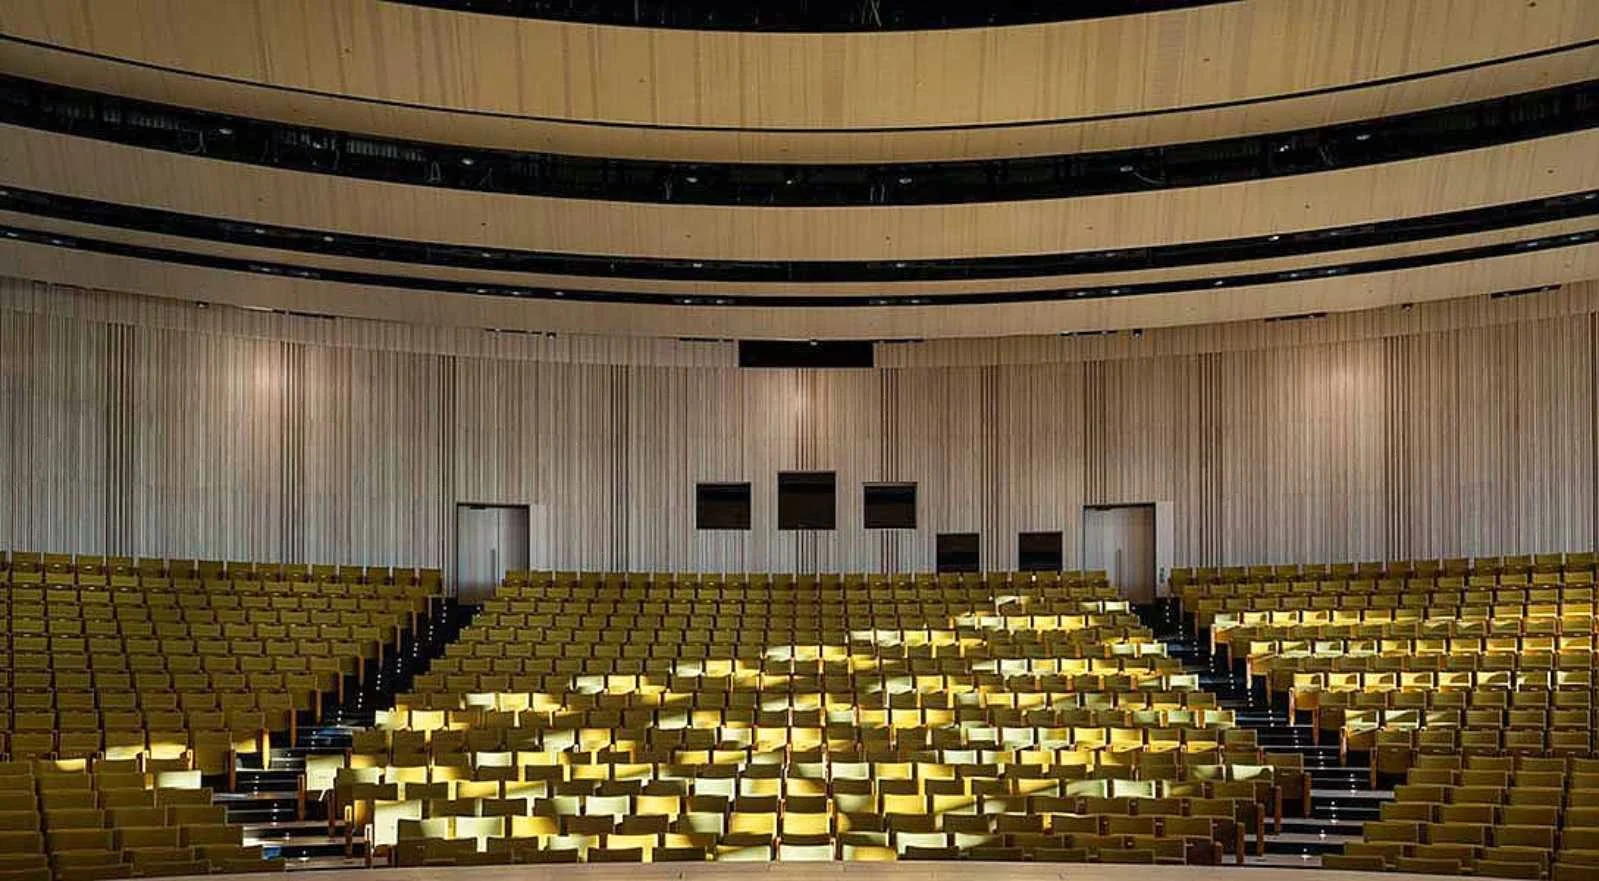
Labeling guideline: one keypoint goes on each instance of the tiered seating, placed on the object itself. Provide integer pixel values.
(1497, 816)
(177, 664)
(1498, 659)
(58, 820)
(1473, 678)
(627, 718)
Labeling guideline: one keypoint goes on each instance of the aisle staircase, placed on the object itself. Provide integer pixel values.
(1341, 796)
(268, 800)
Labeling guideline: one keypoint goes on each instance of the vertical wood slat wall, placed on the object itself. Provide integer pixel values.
(145, 427)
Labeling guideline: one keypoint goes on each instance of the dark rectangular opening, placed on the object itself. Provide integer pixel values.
(803, 354)
(958, 552)
(722, 506)
(807, 500)
(889, 505)
(1039, 552)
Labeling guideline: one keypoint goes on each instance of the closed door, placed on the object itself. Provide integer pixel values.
(490, 540)
(1121, 541)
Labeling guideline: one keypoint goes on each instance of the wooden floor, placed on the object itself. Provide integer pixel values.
(924, 871)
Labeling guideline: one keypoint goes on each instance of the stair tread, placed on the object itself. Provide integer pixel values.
(1312, 837)
(1368, 794)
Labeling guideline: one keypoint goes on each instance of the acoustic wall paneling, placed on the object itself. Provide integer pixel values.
(54, 433)
(1493, 436)
(147, 427)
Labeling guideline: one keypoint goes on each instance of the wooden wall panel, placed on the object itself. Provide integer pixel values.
(1494, 437)
(377, 485)
(1300, 453)
(1149, 434)
(1455, 428)
(53, 408)
(207, 420)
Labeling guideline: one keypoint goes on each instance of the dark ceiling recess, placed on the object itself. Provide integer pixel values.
(810, 15)
(238, 139)
(816, 354)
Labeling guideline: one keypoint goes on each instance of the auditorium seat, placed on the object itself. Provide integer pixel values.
(803, 718)
(156, 673)
(1472, 679)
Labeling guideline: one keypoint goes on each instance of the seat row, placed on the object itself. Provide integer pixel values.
(1518, 817)
(1489, 585)
(996, 580)
(58, 820)
(1375, 569)
(24, 562)
(668, 813)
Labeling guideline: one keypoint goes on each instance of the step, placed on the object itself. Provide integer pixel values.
(1283, 861)
(279, 830)
(322, 863)
(1339, 838)
(1346, 775)
(1318, 825)
(1308, 748)
(1308, 845)
(1373, 795)
(259, 816)
(301, 848)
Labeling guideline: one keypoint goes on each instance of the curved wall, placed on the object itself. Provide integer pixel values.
(1051, 72)
(156, 427)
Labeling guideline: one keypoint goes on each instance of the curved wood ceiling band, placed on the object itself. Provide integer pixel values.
(1200, 273)
(890, 15)
(124, 175)
(1491, 80)
(556, 71)
(154, 278)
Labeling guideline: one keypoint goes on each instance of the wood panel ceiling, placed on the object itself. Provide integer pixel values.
(108, 172)
(443, 126)
(164, 279)
(1195, 58)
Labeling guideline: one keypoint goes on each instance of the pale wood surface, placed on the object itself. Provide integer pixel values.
(1576, 263)
(153, 427)
(1198, 271)
(127, 175)
(707, 145)
(1124, 64)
